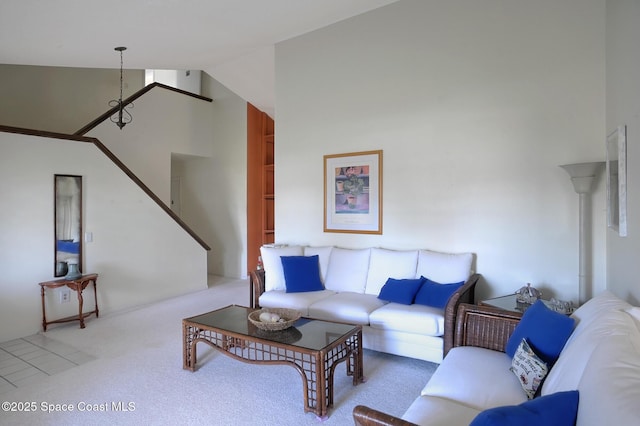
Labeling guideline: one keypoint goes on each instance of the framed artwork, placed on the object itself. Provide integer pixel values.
(617, 180)
(353, 192)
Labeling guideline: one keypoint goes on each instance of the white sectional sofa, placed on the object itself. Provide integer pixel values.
(601, 360)
(351, 283)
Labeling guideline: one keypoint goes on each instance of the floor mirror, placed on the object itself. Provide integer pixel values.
(68, 224)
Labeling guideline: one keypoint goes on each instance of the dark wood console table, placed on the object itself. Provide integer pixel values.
(77, 285)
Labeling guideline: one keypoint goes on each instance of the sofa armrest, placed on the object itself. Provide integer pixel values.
(465, 294)
(365, 416)
(484, 326)
(256, 287)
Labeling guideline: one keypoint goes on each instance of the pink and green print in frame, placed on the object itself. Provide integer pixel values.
(352, 189)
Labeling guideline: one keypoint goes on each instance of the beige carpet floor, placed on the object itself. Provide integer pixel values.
(132, 374)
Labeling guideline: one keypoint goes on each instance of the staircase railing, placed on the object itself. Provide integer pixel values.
(130, 100)
(84, 139)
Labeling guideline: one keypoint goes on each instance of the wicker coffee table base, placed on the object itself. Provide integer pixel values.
(315, 367)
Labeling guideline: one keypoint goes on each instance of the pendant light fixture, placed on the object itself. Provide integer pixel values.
(122, 117)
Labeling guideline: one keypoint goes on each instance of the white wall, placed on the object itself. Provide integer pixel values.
(623, 107)
(214, 132)
(205, 145)
(215, 189)
(164, 122)
(188, 80)
(60, 99)
(139, 252)
(475, 105)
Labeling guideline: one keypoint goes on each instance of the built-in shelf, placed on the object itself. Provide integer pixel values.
(260, 183)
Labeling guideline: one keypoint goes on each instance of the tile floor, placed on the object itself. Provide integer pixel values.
(29, 359)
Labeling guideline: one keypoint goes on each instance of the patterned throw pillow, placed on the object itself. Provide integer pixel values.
(528, 368)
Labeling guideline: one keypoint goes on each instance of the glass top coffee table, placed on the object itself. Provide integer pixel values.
(312, 347)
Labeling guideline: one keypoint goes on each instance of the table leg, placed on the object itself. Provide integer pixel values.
(95, 295)
(44, 315)
(321, 387)
(80, 303)
(251, 302)
(357, 356)
(188, 348)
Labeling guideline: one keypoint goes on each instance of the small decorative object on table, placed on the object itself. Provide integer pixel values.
(274, 319)
(562, 306)
(73, 272)
(528, 294)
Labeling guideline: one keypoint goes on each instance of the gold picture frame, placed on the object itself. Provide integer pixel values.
(353, 192)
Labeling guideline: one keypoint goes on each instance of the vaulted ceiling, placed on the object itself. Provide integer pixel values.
(231, 40)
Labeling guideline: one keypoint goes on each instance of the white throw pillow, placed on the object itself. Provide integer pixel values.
(323, 254)
(385, 264)
(347, 270)
(273, 272)
(444, 268)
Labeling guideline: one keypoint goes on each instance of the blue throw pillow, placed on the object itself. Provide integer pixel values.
(546, 331)
(435, 294)
(556, 409)
(400, 291)
(301, 273)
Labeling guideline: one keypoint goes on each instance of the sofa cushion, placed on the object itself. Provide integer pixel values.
(435, 294)
(348, 307)
(386, 263)
(323, 256)
(347, 270)
(558, 409)
(528, 368)
(635, 313)
(605, 301)
(273, 273)
(301, 273)
(545, 330)
(400, 291)
(298, 301)
(418, 319)
(444, 267)
(599, 318)
(610, 386)
(434, 411)
(477, 377)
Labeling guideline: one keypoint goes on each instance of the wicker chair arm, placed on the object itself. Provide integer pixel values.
(256, 287)
(465, 294)
(365, 416)
(484, 326)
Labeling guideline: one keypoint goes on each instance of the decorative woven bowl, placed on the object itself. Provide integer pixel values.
(289, 316)
(288, 336)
